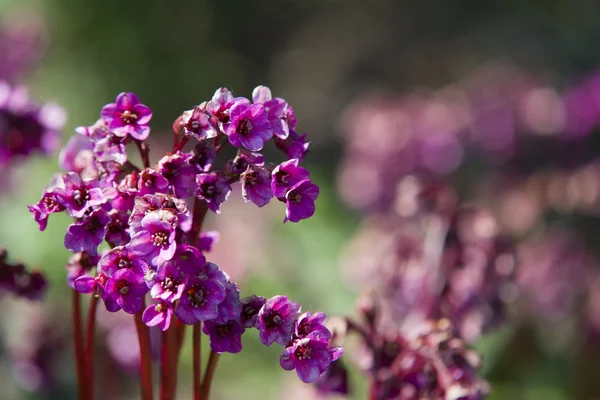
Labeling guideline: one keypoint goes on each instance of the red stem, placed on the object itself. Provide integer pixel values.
(145, 357)
(144, 152)
(200, 210)
(213, 358)
(181, 144)
(89, 344)
(79, 350)
(197, 348)
(169, 363)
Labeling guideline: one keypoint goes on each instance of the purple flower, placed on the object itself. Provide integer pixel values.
(256, 185)
(128, 289)
(220, 106)
(127, 117)
(281, 115)
(179, 172)
(121, 257)
(334, 380)
(243, 160)
(158, 314)
(117, 228)
(293, 146)
(87, 234)
(214, 189)
(285, 176)
(77, 194)
(168, 283)
(224, 338)
(312, 325)
(171, 209)
(111, 148)
(249, 125)
(197, 124)
(47, 205)
(207, 240)
(87, 284)
(155, 240)
(78, 156)
(151, 182)
(231, 307)
(189, 259)
(80, 264)
(250, 308)
(310, 357)
(203, 155)
(200, 300)
(26, 127)
(300, 201)
(276, 320)
(126, 192)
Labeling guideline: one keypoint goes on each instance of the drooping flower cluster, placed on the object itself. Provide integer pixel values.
(154, 238)
(18, 280)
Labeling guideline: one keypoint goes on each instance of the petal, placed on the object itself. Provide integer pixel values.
(85, 284)
(261, 94)
(308, 370)
(336, 353)
(126, 101)
(287, 360)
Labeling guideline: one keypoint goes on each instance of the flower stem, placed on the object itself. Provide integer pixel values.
(197, 348)
(213, 358)
(79, 351)
(170, 355)
(144, 152)
(89, 345)
(145, 357)
(200, 210)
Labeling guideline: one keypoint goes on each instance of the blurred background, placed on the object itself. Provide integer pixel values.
(500, 100)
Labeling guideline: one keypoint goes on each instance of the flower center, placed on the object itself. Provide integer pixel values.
(159, 239)
(127, 117)
(123, 286)
(196, 296)
(294, 197)
(303, 353)
(223, 330)
(50, 203)
(244, 127)
(149, 180)
(251, 178)
(93, 224)
(80, 196)
(159, 307)
(169, 284)
(304, 329)
(248, 312)
(273, 320)
(123, 263)
(209, 190)
(116, 225)
(282, 177)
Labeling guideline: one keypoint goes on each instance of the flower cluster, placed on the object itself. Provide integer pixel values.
(18, 280)
(437, 260)
(430, 363)
(500, 112)
(153, 232)
(26, 127)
